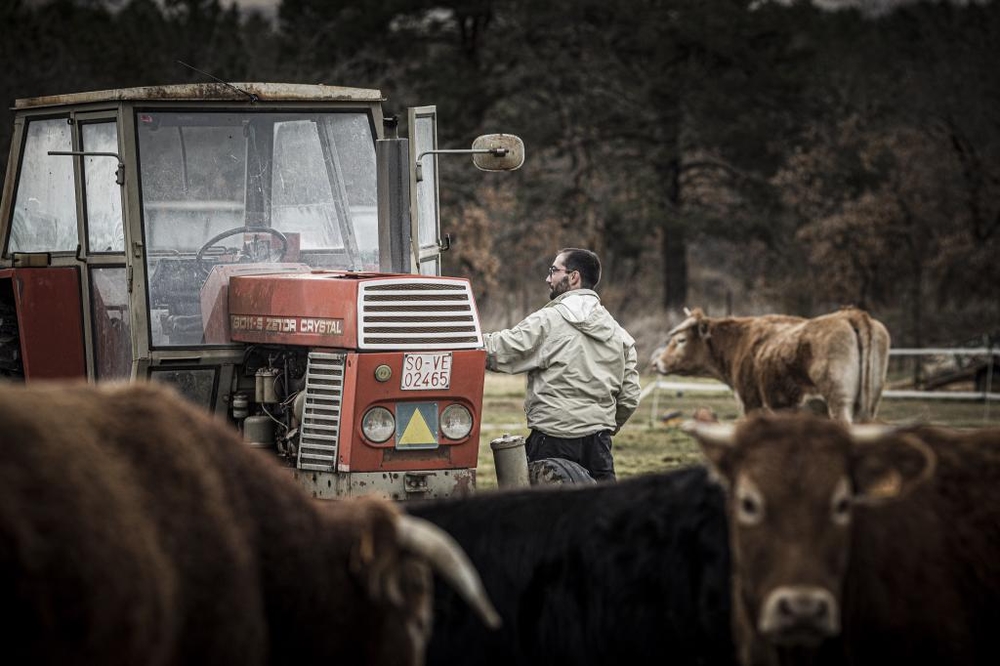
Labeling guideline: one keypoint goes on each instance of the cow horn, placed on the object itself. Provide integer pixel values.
(723, 434)
(450, 562)
(686, 324)
(687, 312)
(868, 433)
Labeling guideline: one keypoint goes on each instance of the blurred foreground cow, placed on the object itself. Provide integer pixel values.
(135, 529)
(883, 550)
(777, 362)
(630, 573)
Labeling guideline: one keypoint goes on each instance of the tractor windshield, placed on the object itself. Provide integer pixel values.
(229, 192)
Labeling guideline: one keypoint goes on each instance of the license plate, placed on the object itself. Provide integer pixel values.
(426, 372)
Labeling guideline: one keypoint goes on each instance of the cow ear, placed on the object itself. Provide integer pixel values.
(888, 466)
(698, 317)
(718, 443)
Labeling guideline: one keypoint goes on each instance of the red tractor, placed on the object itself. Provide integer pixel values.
(272, 251)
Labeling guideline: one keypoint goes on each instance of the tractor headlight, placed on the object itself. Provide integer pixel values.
(456, 421)
(378, 424)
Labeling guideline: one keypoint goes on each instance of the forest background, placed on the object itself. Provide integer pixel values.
(744, 156)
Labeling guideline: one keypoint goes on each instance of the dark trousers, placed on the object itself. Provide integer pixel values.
(592, 452)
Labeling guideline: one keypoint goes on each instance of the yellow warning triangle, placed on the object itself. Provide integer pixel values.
(417, 431)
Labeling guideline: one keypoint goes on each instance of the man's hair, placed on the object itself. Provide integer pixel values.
(584, 261)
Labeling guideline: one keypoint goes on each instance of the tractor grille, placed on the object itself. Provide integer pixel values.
(417, 313)
(320, 427)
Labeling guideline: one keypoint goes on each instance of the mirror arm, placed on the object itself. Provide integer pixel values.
(119, 174)
(498, 152)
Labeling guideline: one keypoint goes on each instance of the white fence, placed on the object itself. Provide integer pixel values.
(987, 396)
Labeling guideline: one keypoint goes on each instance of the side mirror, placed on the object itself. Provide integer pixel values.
(498, 152)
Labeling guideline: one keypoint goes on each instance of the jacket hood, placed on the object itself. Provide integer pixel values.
(582, 309)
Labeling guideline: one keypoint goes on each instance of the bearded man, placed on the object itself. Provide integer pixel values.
(582, 383)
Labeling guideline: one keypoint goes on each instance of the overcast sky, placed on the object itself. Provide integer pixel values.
(873, 6)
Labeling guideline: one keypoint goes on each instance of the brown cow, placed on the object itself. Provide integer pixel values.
(777, 362)
(826, 570)
(137, 529)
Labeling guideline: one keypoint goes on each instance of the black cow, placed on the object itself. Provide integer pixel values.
(627, 573)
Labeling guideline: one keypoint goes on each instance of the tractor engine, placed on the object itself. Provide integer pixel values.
(365, 379)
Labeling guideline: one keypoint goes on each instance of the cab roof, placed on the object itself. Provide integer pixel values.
(267, 92)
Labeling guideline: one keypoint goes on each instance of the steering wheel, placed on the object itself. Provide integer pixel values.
(249, 252)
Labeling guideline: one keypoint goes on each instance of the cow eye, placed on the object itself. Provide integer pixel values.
(840, 504)
(749, 509)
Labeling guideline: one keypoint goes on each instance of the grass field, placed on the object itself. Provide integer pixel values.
(648, 443)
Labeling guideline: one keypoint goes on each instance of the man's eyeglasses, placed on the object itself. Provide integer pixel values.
(555, 269)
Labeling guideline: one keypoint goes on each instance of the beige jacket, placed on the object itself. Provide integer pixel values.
(581, 366)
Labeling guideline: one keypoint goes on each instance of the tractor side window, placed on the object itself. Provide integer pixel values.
(112, 326)
(105, 229)
(44, 217)
(426, 195)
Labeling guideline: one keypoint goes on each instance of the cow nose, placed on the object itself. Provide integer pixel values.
(654, 358)
(803, 607)
(800, 614)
